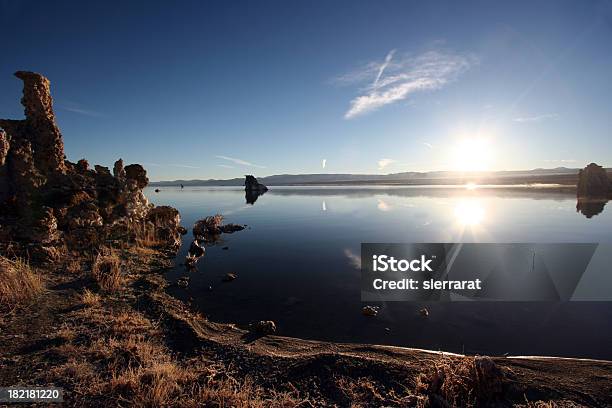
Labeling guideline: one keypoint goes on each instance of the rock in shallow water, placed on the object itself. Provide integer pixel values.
(370, 311)
(209, 229)
(229, 277)
(230, 228)
(195, 249)
(190, 261)
(593, 181)
(251, 184)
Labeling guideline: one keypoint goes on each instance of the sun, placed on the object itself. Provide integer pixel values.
(472, 154)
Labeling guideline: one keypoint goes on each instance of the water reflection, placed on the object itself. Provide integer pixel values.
(382, 205)
(353, 259)
(469, 212)
(590, 207)
(250, 196)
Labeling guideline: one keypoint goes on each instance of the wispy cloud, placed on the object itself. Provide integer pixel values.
(429, 145)
(76, 108)
(323, 163)
(384, 65)
(396, 78)
(382, 163)
(240, 161)
(537, 118)
(226, 166)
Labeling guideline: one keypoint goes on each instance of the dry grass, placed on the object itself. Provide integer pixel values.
(89, 298)
(157, 385)
(213, 221)
(19, 283)
(106, 270)
(80, 373)
(66, 332)
(119, 358)
(363, 392)
(462, 381)
(551, 404)
(73, 266)
(127, 322)
(208, 225)
(229, 392)
(146, 236)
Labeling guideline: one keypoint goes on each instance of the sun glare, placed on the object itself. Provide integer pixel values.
(469, 212)
(472, 155)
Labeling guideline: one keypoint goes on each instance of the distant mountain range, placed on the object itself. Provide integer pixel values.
(559, 175)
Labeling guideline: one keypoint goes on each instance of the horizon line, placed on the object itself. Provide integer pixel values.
(459, 172)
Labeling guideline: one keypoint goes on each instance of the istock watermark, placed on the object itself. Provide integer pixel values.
(382, 263)
(487, 272)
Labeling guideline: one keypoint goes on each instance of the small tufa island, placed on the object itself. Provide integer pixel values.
(593, 190)
(84, 307)
(253, 189)
(593, 182)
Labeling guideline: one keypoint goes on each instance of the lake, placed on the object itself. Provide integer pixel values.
(298, 264)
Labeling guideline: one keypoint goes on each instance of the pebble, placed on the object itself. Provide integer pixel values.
(369, 311)
(229, 277)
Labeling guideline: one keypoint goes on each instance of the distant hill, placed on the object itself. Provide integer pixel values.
(559, 175)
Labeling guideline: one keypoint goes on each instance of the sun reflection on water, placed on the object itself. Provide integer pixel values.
(469, 212)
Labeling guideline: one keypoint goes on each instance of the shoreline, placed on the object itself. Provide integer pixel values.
(267, 362)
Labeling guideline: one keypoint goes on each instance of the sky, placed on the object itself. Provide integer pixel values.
(218, 89)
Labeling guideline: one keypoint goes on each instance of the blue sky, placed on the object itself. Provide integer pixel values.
(217, 89)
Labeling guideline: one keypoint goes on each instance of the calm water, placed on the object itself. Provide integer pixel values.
(297, 264)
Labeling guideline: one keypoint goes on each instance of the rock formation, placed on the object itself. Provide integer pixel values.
(251, 184)
(593, 182)
(263, 327)
(593, 191)
(50, 205)
(253, 189)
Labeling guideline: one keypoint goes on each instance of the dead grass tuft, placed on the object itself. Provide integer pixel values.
(361, 392)
(89, 298)
(146, 236)
(461, 381)
(19, 283)
(129, 322)
(158, 385)
(66, 332)
(550, 404)
(229, 392)
(208, 225)
(73, 266)
(106, 270)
